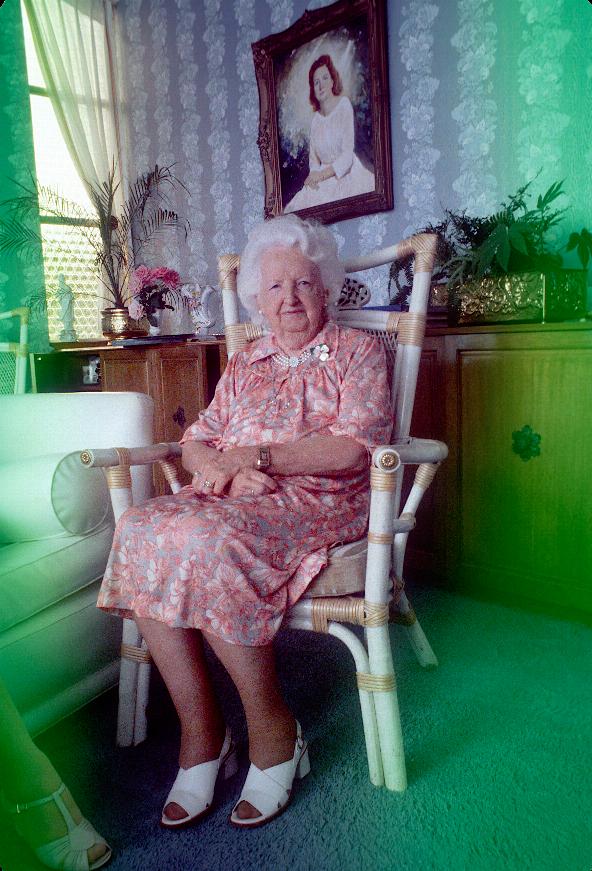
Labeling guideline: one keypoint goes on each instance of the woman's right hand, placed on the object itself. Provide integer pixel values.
(214, 471)
(250, 482)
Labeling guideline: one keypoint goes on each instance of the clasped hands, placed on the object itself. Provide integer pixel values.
(315, 176)
(232, 472)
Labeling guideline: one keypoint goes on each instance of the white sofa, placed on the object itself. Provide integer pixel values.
(57, 650)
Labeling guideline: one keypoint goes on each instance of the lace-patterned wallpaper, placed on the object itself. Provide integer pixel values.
(484, 94)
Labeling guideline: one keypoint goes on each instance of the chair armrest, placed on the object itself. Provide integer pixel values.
(410, 451)
(105, 457)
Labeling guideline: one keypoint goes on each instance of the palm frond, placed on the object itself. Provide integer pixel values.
(159, 220)
(17, 237)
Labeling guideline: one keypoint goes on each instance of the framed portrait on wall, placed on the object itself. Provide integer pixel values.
(324, 113)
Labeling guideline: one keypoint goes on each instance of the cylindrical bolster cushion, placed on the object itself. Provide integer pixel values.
(50, 496)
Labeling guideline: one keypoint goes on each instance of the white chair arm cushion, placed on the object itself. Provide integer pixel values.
(49, 496)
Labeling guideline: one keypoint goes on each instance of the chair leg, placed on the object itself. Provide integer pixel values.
(403, 613)
(386, 704)
(302, 620)
(367, 707)
(133, 687)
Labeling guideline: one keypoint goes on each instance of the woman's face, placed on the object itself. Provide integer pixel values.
(292, 298)
(322, 83)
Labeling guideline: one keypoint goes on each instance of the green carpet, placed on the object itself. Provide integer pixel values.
(498, 743)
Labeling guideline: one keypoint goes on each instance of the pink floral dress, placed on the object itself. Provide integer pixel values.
(233, 565)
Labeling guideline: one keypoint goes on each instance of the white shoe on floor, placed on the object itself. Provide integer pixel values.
(193, 789)
(70, 852)
(269, 790)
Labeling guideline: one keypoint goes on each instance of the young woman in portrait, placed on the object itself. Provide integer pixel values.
(335, 170)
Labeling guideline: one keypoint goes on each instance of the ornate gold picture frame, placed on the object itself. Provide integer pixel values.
(324, 119)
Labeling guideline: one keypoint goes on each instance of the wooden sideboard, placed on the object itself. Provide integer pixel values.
(497, 523)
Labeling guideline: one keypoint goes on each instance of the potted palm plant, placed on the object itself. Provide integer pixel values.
(503, 267)
(117, 240)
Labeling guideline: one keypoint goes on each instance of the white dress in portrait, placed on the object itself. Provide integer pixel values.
(332, 144)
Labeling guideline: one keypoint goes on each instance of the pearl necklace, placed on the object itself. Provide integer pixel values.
(320, 352)
(293, 361)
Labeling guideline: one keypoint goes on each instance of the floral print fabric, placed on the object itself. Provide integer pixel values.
(233, 565)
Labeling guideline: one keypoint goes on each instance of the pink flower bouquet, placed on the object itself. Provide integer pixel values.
(153, 289)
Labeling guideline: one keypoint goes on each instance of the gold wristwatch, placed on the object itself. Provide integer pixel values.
(264, 458)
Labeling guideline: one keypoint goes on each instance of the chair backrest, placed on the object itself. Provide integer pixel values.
(13, 355)
(401, 332)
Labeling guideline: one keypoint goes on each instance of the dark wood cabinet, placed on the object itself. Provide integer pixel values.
(501, 521)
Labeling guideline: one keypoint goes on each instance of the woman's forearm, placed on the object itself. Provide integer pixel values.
(318, 455)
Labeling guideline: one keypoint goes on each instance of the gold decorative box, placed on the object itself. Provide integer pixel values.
(526, 297)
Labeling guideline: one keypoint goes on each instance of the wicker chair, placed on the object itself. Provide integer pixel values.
(13, 355)
(363, 582)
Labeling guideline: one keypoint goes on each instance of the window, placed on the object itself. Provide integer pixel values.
(66, 250)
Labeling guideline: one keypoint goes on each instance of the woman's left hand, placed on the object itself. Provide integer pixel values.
(316, 176)
(250, 482)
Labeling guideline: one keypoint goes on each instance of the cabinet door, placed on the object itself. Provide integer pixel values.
(126, 370)
(525, 524)
(183, 387)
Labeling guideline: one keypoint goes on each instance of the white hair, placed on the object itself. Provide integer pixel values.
(315, 242)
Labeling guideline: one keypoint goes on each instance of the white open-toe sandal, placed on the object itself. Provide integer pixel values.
(68, 853)
(193, 789)
(269, 790)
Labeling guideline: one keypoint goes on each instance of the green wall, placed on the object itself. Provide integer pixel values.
(18, 280)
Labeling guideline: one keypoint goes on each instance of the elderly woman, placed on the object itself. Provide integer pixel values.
(280, 473)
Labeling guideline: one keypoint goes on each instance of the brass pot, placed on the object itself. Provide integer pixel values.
(116, 323)
(529, 297)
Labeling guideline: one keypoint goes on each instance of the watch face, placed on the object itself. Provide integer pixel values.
(264, 459)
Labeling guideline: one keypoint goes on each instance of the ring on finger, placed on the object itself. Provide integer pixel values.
(208, 483)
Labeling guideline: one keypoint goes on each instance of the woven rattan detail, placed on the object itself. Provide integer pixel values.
(392, 322)
(403, 619)
(380, 537)
(124, 456)
(422, 247)
(136, 654)
(22, 312)
(347, 610)
(22, 350)
(169, 470)
(375, 683)
(375, 614)
(425, 474)
(238, 336)
(227, 268)
(118, 477)
(380, 480)
(411, 328)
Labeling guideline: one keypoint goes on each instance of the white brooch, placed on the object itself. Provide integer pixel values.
(321, 352)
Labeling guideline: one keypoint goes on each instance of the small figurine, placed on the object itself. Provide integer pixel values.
(203, 307)
(66, 299)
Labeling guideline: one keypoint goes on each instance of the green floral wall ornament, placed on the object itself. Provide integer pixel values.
(526, 443)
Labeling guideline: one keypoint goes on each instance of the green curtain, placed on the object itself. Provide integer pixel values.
(19, 279)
